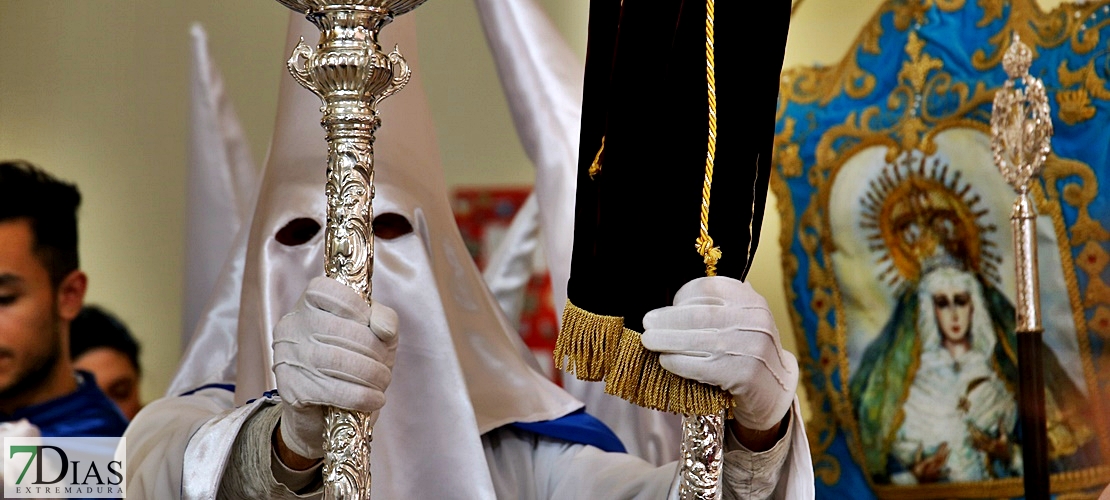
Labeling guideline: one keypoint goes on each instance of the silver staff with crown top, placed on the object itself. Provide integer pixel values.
(1021, 132)
(349, 72)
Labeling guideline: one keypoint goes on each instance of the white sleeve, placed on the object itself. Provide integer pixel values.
(178, 447)
(252, 469)
(783, 472)
(527, 466)
(157, 439)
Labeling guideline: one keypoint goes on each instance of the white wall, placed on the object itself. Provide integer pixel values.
(96, 91)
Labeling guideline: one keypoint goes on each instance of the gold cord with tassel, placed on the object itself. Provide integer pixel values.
(704, 245)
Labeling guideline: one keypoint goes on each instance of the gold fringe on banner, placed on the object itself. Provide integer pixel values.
(638, 378)
(587, 342)
(626, 378)
(596, 347)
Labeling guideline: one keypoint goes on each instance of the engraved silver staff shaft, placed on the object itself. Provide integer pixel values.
(349, 72)
(1021, 133)
(702, 457)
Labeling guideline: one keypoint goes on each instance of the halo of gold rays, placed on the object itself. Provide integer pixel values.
(919, 208)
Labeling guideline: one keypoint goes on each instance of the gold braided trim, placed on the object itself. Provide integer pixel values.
(638, 378)
(587, 342)
(1062, 484)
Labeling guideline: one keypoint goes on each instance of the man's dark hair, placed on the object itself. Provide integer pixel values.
(50, 205)
(94, 327)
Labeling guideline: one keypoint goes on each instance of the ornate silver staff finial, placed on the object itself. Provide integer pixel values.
(349, 72)
(1021, 122)
(1021, 133)
(1018, 58)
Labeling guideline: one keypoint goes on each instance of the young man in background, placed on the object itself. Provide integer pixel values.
(42, 290)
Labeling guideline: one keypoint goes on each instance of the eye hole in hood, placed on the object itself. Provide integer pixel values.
(297, 232)
(391, 225)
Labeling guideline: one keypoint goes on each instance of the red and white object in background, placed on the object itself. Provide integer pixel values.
(484, 216)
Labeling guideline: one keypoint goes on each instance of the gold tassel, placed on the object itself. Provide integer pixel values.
(595, 167)
(587, 342)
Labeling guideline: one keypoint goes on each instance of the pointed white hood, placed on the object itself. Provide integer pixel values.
(221, 183)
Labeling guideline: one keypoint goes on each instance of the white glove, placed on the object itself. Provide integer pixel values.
(21, 428)
(720, 332)
(326, 355)
(18, 429)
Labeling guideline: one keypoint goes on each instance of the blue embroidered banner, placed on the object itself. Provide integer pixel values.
(899, 256)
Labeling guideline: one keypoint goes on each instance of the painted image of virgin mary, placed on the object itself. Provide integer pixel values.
(935, 394)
